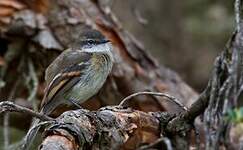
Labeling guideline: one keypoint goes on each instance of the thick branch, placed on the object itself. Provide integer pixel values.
(107, 128)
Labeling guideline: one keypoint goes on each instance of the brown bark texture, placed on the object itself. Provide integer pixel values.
(107, 128)
(33, 33)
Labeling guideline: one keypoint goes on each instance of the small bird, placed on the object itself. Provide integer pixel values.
(79, 72)
(76, 74)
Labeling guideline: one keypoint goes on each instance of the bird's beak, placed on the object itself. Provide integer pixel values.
(105, 41)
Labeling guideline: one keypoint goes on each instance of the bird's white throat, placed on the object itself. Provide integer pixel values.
(105, 47)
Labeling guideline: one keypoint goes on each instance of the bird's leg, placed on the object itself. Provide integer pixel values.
(75, 103)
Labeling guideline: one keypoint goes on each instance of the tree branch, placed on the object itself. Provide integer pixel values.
(109, 127)
(7, 106)
(170, 98)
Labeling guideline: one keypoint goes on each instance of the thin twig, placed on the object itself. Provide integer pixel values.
(170, 98)
(6, 130)
(165, 140)
(6, 117)
(34, 78)
(137, 14)
(7, 106)
(139, 17)
(197, 136)
(237, 14)
(32, 84)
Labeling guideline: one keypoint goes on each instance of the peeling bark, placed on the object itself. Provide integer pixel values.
(107, 128)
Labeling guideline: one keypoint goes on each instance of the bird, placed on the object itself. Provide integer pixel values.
(75, 75)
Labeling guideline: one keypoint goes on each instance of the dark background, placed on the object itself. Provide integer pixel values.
(185, 36)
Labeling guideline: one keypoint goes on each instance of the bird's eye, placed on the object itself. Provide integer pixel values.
(91, 42)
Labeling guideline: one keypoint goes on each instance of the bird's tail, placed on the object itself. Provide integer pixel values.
(31, 134)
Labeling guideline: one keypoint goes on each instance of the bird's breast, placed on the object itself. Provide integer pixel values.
(92, 78)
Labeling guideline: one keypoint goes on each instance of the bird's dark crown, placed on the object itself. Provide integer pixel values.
(91, 37)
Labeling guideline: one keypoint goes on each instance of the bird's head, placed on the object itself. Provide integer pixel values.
(92, 41)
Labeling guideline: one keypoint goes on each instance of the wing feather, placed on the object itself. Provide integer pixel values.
(64, 72)
(66, 59)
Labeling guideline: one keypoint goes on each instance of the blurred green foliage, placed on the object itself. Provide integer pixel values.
(235, 115)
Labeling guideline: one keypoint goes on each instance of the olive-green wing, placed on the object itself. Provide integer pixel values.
(66, 59)
(64, 72)
(63, 81)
